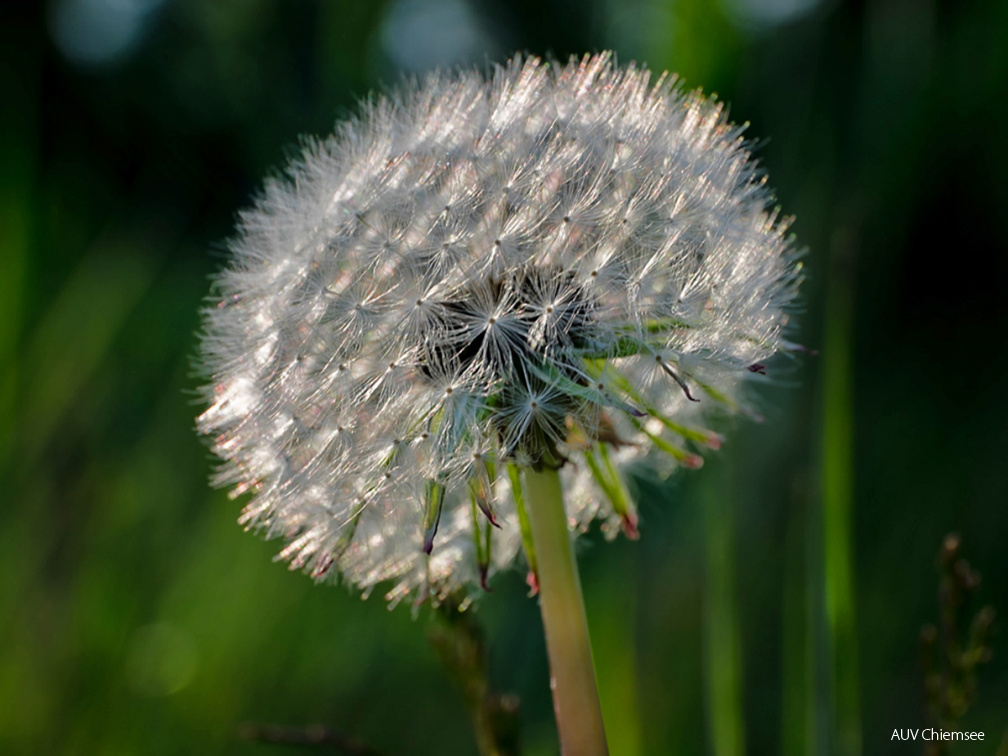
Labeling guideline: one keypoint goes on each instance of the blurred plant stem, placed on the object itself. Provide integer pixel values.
(614, 624)
(837, 501)
(723, 651)
(949, 656)
(801, 610)
(572, 673)
(459, 641)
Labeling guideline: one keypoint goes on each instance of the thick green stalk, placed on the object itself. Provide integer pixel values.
(572, 674)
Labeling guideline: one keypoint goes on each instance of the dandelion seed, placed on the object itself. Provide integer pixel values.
(558, 266)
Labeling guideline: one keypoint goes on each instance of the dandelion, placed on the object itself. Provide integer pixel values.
(477, 294)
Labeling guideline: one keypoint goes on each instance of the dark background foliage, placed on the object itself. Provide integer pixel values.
(775, 599)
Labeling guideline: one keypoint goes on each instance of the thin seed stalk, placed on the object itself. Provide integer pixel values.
(572, 673)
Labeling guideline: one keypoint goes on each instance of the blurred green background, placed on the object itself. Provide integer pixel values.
(774, 601)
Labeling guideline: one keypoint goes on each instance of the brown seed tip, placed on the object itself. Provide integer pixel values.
(533, 583)
(629, 522)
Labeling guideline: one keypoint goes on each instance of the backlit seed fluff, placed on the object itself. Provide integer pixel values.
(561, 265)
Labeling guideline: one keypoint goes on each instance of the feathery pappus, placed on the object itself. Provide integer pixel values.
(558, 265)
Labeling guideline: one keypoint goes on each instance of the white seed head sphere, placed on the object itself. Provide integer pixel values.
(562, 265)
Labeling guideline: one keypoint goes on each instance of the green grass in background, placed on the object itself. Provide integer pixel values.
(137, 617)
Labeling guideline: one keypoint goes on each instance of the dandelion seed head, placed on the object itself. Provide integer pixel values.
(546, 267)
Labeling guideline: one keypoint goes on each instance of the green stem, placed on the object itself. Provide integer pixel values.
(723, 646)
(838, 515)
(572, 674)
